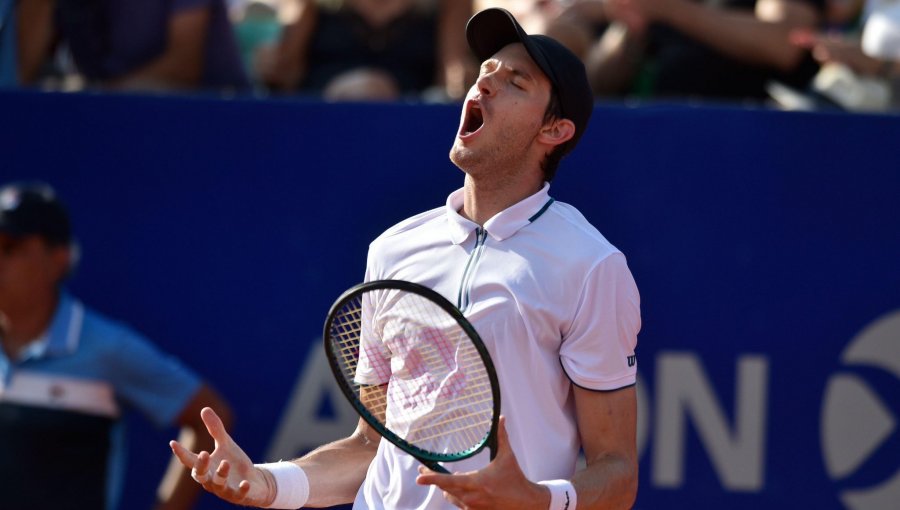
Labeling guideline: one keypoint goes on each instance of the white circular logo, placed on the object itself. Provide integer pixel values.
(858, 421)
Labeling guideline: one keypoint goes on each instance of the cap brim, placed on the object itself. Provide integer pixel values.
(490, 30)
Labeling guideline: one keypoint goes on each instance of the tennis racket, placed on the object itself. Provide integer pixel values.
(415, 369)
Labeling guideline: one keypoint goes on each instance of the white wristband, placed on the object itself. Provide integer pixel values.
(562, 494)
(291, 484)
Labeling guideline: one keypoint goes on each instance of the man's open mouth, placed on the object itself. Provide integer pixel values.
(474, 119)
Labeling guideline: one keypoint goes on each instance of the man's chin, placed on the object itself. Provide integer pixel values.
(455, 151)
(461, 156)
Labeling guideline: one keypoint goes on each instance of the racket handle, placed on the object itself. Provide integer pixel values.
(492, 445)
(434, 466)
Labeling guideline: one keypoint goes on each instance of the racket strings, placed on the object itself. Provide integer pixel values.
(439, 396)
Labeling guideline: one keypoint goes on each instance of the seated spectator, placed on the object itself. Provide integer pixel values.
(372, 50)
(257, 24)
(8, 59)
(134, 45)
(22, 52)
(860, 72)
(713, 49)
(840, 14)
(67, 374)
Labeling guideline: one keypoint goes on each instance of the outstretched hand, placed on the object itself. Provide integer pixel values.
(227, 472)
(500, 485)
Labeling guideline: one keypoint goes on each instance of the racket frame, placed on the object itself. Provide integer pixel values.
(426, 457)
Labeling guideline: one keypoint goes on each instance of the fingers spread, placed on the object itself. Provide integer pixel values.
(200, 470)
(429, 477)
(214, 425)
(244, 487)
(450, 483)
(185, 456)
(201, 478)
(214, 480)
(220, 476)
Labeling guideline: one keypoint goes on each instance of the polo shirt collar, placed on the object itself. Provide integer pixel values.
(502, 225)
(65, 328)
(60, 339)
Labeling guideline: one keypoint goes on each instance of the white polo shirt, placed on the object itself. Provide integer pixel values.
(553, 301)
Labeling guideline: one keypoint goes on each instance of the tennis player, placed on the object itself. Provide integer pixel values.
(553, 300)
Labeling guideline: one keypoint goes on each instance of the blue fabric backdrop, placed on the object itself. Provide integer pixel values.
(763, 243)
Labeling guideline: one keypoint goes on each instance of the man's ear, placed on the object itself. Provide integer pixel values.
(557, 132)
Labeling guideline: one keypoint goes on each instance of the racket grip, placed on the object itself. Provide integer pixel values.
(434, 466)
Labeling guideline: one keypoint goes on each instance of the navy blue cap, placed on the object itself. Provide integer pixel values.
(488, 31)
(33, 209)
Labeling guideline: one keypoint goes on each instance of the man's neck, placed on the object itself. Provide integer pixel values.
(483, 200)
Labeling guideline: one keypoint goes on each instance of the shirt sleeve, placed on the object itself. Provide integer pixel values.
(155, 383)
(598, 352)
(374, 366)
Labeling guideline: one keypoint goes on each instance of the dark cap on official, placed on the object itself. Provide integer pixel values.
(33, 209)
(488, 31)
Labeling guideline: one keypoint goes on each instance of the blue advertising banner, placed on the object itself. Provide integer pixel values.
(766, 246)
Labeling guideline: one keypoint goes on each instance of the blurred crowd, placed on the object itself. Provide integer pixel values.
(796, 54)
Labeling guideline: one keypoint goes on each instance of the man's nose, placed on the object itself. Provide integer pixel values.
(486, 84)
